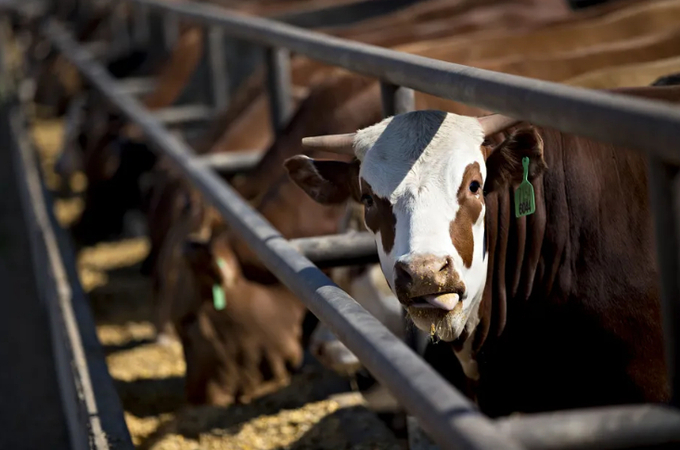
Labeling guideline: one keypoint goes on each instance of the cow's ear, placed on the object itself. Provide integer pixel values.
(504, 162)
(327, 182)
(210, 266)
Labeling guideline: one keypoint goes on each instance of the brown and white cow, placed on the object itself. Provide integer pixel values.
(555, 310)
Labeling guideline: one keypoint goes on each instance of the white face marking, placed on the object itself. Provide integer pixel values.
(417, 162)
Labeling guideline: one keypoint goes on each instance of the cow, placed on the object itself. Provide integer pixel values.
(286, 207)
(239, 349)
(553, 310)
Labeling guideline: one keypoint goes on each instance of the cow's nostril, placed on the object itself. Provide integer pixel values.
(403, 274)
(445, 267)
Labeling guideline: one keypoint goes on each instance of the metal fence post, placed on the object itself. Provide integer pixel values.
(120, 35)
(279, 86)
(170, 30)
(219, 75)
(140, 30)
(664, 192)
(396, 99)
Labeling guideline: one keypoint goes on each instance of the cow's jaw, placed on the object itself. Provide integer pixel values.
(416, 177)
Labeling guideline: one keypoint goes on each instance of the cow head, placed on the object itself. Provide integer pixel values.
(422, 178)
(212, 263)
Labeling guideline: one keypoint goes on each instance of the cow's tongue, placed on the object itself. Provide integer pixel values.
(443, 301)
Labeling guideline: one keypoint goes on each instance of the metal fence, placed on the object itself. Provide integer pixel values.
(89, 401)
(448, 417)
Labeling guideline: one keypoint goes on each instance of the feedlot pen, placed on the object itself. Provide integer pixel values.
(90, 406)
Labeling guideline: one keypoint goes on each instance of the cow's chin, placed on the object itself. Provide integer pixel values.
(445, 325)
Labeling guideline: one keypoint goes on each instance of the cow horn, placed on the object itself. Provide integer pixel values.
(495, 123)
(336, 143)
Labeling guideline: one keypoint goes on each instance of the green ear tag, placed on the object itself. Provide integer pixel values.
(219, 299)
(525, 201)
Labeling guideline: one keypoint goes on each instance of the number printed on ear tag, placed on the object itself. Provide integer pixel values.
(525, 201)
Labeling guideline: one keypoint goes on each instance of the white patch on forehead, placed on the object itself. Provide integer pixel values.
(402, 150)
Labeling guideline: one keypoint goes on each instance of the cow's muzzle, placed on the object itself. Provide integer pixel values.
(428, 281)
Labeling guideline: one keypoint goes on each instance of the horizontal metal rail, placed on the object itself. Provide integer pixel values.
(176, 115)
(627, 426)
(649, 126)
(338, 250)
(450, 418)
(231, 162)
(137, 85)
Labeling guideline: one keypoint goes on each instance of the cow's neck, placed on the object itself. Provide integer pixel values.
(514, 248)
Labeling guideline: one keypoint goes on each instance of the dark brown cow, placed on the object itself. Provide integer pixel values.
(558, 309)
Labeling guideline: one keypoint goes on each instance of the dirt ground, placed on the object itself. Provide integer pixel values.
(316, 411)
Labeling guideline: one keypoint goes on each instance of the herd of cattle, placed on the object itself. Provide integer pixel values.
(554, 310)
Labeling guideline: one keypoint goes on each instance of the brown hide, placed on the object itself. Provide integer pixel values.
(639, 19)
(283, 204)
(570, 316)
(329, 105)
(509, 16)
(492, 19)
(175, 73)
(561, 66)
(628, 74)
(619, 63)
(420, 13)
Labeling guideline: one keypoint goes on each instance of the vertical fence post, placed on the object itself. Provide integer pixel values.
(140, 17)
(64, 9)
(664, 191)
(219, 76)
(399, 100)
(170, 30)
(396, 99)
(279, 86)
(120, 36)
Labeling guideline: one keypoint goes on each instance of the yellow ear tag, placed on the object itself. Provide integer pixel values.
(525, 201)
(219, 298)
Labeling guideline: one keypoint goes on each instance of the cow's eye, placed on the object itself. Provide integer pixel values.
(367, 200)
(474, 187)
